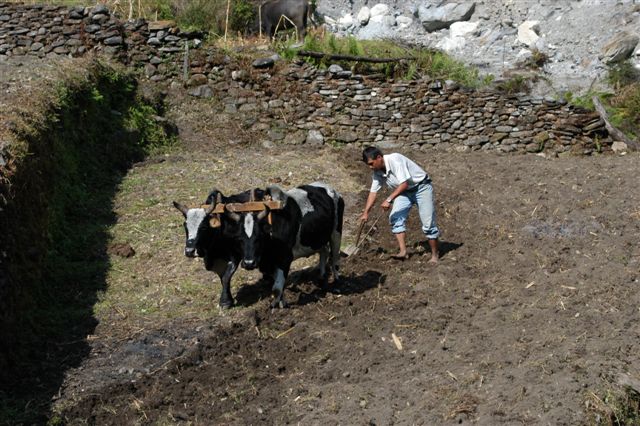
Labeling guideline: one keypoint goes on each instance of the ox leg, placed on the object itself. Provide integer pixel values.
(280, 277)
(336, 240)
(225, 271)
(322, 265)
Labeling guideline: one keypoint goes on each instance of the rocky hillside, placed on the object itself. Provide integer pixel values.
(579, 37)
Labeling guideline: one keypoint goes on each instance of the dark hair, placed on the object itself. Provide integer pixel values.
(370, 153)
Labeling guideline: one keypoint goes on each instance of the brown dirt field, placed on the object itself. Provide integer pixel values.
(529, 318)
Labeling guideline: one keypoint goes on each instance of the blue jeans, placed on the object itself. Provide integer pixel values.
(422, 196)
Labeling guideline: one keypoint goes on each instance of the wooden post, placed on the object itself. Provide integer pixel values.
(260, 21)
(226, 21)
(185, 63)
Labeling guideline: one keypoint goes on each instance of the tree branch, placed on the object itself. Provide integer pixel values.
(617, 134)
(320, 55)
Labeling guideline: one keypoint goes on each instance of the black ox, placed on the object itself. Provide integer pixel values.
(282, 14)
(309, 222)
(219, 246)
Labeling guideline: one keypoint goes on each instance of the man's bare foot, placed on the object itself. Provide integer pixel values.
(434, 259)
(400, 256)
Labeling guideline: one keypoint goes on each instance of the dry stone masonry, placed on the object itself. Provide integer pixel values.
(58, 30)
(301, 104)
(335, 106)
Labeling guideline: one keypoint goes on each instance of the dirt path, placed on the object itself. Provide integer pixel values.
(528, 319)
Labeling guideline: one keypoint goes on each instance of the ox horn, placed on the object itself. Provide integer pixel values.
(264, 212)
(232, 215)
(252, 197)
(180, 207)
(218, 198)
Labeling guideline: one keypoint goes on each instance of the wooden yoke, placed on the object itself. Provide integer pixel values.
(249, 206)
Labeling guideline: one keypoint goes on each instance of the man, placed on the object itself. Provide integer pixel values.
(410, 185)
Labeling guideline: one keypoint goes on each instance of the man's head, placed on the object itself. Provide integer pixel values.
(372, 156)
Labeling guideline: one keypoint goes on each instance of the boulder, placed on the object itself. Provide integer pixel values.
(437, 18)
(363, 15)
(529, 33)
(619, 48)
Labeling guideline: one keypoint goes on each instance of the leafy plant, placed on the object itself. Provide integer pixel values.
(615, 408)
(353, 47)
(622, 74)
(203, 15)
(516, 84)
(538, 59)
(242, 16)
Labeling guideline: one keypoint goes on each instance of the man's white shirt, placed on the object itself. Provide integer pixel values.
(399, 169)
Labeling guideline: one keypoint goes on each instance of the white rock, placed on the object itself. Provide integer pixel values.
(329, 20)
(387, 20)
(462, 29)
(403, 21)
(618, 147)
(450, 44)
(379, 10)
(346, 21)
(528, 33)
(523, 54)
(364, 15)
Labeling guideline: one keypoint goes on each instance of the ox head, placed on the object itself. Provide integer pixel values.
(252, 229)
(196, 220)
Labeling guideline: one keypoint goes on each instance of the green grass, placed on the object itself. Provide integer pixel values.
(616, 407)
(77, 153)
(623, 105)
(412, 62)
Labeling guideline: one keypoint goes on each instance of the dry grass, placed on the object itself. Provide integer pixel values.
(159, 282)
(130, 9)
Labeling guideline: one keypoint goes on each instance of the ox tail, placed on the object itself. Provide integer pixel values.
(336, 239)
(339, 214)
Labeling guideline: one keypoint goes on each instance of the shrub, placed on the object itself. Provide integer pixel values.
(516, 84)
(243, 14)
(622, 74)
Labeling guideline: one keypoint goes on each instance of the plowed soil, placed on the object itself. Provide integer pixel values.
(529, 318)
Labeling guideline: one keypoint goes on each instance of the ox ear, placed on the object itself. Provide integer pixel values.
(180, 207)
(231, 215)
(276, 193)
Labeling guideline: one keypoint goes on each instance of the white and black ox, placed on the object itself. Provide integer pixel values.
(219, 245)
(283, 14)
(309, 222)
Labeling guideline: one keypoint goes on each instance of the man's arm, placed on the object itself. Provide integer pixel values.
(371, 199)
(399, 190)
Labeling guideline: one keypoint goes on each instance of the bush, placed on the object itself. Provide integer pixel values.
(203, 15)
(243, 15)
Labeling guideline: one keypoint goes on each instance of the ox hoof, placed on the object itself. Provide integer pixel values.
(279, 304)
(226, 305)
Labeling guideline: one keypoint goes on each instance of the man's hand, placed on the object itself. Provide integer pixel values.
(386, 205)
(364, 217)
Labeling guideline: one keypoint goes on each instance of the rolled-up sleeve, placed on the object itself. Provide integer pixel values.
(376, 183)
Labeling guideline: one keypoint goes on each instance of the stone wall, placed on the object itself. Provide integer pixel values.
(299, 103)
(58, 30)
(303, 104)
